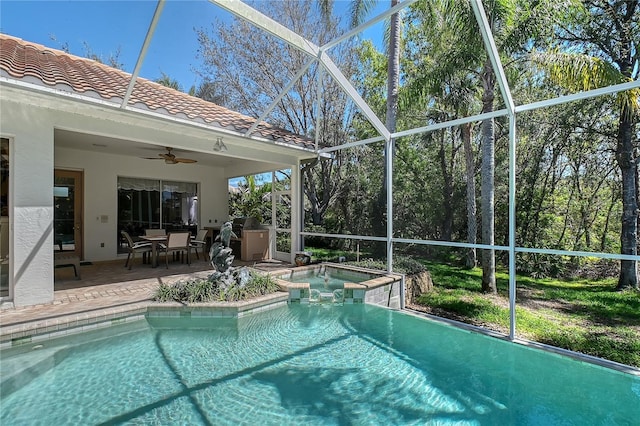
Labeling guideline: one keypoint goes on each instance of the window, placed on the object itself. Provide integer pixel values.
(4, 217)
(141, 205)
(180, 204)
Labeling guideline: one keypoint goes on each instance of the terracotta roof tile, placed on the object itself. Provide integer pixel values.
(20, 59)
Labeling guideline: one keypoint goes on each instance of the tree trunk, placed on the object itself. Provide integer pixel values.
(626, 158)
(465, 130)
(488, 188)
(393, 70)
(629, 235)
(447, 192)
(393, 82)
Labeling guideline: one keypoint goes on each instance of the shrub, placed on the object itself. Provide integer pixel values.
(203, 290)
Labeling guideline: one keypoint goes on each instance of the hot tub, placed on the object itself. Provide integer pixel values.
(337, 283)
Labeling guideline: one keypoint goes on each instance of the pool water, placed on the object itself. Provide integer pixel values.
(312, 365)
(327, 279)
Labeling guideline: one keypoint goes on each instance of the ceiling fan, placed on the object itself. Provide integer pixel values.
(170, 158)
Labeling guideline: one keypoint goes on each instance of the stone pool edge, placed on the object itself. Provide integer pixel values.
(577, 356)
(37, 331)
(379, 289)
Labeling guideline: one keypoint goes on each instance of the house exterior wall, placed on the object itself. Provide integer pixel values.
(30, 131)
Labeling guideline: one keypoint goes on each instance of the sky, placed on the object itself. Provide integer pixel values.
(120, 26)
(108, 26)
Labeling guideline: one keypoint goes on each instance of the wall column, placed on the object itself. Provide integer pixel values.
(31, 205)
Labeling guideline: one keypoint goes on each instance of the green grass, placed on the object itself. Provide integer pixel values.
(579, 315)
(332, 255)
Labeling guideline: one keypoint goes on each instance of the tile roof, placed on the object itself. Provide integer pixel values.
(35, 63)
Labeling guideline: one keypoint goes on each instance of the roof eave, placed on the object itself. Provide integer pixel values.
(116, 106)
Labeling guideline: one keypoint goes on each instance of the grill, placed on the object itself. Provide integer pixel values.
(253, 239)
(241, 223)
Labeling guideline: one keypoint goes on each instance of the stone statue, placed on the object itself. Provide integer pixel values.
(226, 233)
(221, 256)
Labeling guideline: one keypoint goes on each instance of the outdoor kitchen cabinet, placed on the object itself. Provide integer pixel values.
(254, 244)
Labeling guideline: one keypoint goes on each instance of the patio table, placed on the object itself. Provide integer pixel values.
(155, 240)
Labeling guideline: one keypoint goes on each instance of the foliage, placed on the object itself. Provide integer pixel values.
(167, 81)
(401, 264)
(252, 199)
(538, 265)
(568, 183)
(328, 254)
(253, 69)
(196, 290)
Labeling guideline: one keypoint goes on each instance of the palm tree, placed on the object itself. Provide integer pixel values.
(607, 32)
(360, 9)
(514, 23)
(167, 81)
(253, 199)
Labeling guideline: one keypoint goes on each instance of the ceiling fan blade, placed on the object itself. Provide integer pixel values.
(170, 158)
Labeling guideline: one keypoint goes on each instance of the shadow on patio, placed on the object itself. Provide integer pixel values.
(111, 272)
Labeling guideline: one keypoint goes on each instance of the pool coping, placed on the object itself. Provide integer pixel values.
(377, 280)
(577, 356)
(29, 332)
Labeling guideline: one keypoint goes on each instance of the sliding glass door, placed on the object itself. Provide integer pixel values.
(155, 204)
(4, 218)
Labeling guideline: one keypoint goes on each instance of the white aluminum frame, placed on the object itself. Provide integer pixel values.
(319, 54)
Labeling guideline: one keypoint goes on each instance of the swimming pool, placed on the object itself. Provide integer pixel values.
(306, 364)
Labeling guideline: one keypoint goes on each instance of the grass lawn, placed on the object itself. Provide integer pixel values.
(320, 254)
(585, 316)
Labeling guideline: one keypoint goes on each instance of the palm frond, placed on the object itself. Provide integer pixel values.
(577, 72)
(360, 9)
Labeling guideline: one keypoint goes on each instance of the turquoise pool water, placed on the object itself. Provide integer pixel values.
(311, 365)
(327, 279)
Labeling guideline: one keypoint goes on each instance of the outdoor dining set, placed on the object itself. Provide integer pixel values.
(157, 241)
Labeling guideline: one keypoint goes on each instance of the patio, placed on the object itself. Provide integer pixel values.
(107, 290)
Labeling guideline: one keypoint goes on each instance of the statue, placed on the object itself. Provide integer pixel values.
(221, 256)
(221, 253)
(226, 232)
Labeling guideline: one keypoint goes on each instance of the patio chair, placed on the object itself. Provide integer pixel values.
(135, 247)
(200, 242)
(155, 232)
(177, 242)
(67, 259)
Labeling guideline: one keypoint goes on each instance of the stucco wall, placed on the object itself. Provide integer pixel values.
(31, 202)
